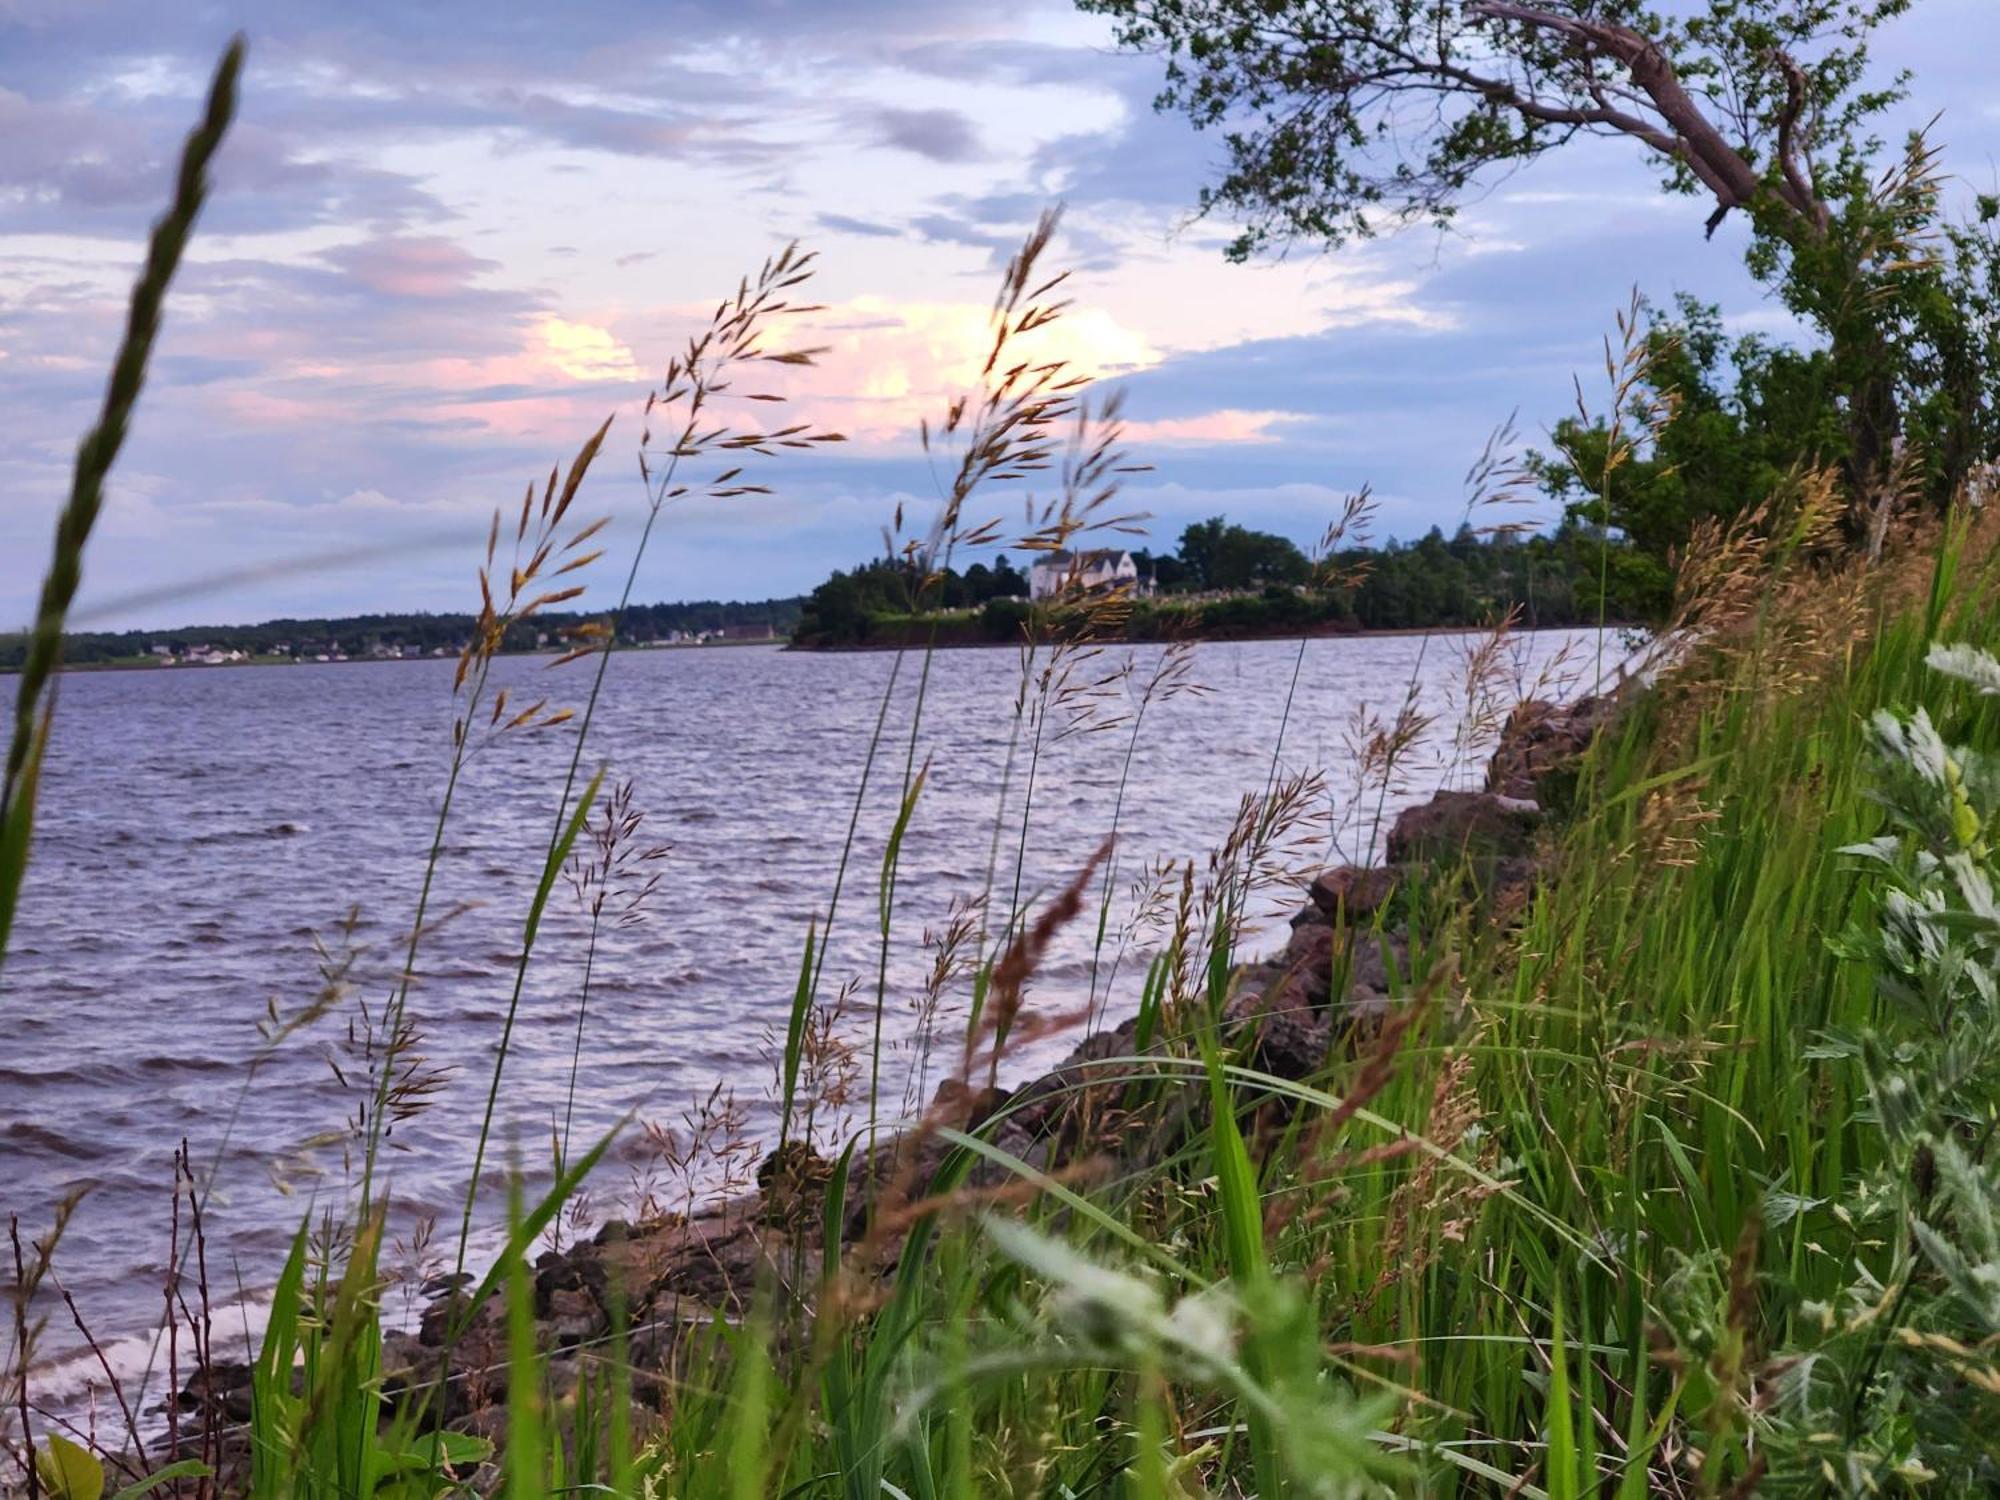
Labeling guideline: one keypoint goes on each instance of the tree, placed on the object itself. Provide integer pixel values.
(1220, 555)
(1389, 109)
(1344, 117)
(1722, 424)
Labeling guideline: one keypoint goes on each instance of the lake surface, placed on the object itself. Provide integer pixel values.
(202, 829)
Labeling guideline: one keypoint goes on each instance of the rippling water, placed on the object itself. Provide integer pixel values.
(201, 829)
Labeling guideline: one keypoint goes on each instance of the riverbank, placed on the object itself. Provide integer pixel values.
(1342, 984)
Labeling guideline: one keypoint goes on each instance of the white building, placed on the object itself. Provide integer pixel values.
(1054, 573)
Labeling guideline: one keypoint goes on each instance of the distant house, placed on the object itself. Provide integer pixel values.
(1055, 573)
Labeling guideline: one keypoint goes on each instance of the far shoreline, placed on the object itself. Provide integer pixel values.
(777, 642)
(1381, 632)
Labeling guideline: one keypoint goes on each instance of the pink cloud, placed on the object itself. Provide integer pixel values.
(410, 265)
(1229, 425)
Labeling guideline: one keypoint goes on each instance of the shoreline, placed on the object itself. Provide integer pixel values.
(362, 661)
(1381, 633)
(779, 643)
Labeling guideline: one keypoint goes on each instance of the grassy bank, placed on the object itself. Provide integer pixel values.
(1673, 1181)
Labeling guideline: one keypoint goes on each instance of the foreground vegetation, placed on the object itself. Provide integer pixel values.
(1674, 1179)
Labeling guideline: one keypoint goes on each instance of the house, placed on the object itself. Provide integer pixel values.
(1054, 573)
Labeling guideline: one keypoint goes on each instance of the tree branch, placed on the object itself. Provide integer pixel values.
(1798, 189)
(1694, 139)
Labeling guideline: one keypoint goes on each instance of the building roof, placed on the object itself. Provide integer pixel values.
(1097, 558)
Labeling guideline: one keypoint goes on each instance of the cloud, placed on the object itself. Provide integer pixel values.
(941, 135)
(1229, 425)
(382, 299)
(585, 352)
(424, 267)
(846, 224)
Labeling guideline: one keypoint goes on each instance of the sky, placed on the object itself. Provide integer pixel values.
(447, 240)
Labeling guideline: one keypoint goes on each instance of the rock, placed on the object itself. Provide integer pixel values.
(964, 1108)
(573, 1317)
(1453, 826)
(1362, 968)
(435, 1326)
(1353, 893)
(405, 1358)
(577, 1269)
(1310, 954)
(1292, 1043)
(224, 1386)
(1281, 1007)
(1540, 741)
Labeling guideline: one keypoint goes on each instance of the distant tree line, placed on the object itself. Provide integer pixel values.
(1228, 581)
(844, 609)
(413, 634)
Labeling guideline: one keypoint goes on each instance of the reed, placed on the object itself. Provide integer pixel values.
(34, 701)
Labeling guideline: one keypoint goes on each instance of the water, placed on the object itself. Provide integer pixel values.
(201, 828)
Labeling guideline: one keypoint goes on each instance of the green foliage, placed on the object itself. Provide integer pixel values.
(1325, 141)
(1575, 575)
(1216, 554)
(1726, 424)
(845, 607)
(1343, 118)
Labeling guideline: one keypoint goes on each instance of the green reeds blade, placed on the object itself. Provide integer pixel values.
(526, 1440)
(1565, 1479)
(1243, 1237)
(272, 1436)
(795, 1034)
(747, 1463)
(16, 824)
(523, 1231)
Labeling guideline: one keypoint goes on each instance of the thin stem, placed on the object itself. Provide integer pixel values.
(576, 1046)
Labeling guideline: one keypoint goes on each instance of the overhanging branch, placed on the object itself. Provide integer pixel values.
(1688, 136)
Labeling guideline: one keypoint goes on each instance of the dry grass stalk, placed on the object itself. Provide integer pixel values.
(1024, 955)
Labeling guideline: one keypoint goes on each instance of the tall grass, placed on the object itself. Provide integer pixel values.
(1674, 1183)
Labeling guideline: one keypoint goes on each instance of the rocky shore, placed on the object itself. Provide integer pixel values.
(1343, 970)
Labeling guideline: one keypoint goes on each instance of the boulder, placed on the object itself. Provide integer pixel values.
(1291, 1043)
(1454, 826)
(580, 1268)
(573, 1318)
(1541, 741)
(1353, 893)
